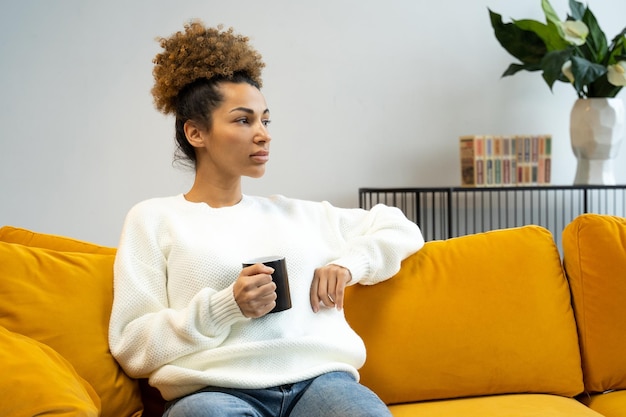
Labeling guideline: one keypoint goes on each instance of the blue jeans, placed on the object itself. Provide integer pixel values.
(335, 394)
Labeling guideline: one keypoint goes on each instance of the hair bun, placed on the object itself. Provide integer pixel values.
(201, 52)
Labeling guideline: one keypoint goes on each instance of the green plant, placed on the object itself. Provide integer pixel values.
(575, 50)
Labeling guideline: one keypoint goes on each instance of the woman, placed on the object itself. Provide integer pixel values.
(185, 312)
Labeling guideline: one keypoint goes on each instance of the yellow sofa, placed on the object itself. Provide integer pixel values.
(481, 325)
(486, 325)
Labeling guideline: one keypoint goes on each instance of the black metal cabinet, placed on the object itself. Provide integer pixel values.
(445, 212)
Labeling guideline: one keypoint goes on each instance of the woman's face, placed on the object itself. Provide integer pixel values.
(238, 142)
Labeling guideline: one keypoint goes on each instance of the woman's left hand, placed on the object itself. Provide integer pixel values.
(327, 288)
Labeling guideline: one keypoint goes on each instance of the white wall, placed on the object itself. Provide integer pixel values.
(363, 93)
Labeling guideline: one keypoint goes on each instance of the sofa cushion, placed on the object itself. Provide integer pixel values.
(27, 237)
(594, 256)
(517, 405)
(37, 381)
(609, 404)
(481, 314)
(63, 299)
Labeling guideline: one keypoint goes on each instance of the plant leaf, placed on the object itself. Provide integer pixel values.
(524, 45)
(596, 46)
(515, 68)
(552, 65)
(548, 10)
(578, 9)
(602, 88)
(617, 48)
(549, 33)
(585, 72)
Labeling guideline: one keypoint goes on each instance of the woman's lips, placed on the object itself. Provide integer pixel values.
(260, 157)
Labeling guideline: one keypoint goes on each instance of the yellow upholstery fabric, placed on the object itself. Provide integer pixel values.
(63, 299)
(37, 381)
(481, 314)
(611, 404)
(519, 405)
(26, 237)
(594, 252)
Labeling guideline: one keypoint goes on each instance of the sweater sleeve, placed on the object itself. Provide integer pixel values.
(374, 242)
(145, 333)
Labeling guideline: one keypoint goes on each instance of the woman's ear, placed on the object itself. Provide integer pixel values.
(194, 135)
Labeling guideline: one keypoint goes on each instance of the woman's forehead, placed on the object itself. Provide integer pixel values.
(242, 95)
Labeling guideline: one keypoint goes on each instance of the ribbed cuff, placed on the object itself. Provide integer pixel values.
(223, 310)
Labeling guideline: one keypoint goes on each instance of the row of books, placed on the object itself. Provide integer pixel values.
(504, 161)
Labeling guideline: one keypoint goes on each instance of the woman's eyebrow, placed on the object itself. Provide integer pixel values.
(247, 110)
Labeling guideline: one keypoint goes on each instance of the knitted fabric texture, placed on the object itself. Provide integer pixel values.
(175, 318)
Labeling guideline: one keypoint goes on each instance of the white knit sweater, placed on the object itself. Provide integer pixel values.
(174, 315)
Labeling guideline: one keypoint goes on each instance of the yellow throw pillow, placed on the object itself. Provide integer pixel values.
(63, 299)
(482, 314)
(37, 381)
(594, 256)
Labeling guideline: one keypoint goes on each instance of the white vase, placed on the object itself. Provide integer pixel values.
(596, 132)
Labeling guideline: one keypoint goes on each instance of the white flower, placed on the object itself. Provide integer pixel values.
(575, 32)
(617, 74)
(566, 69)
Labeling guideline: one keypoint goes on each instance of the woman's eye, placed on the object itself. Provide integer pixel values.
(243, 120)
(266, 122)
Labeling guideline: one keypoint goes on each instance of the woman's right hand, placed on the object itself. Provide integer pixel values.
(254, 291)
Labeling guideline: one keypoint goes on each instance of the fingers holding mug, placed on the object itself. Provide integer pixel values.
(279, 277)
(255, 291)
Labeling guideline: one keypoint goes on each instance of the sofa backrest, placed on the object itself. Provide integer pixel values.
(10, 234)
(58, 291)
(594, 256)
(482, 314)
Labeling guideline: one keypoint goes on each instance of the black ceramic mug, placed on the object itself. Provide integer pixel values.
(280, 278)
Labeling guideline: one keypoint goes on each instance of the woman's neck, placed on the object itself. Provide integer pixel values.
(214, 194)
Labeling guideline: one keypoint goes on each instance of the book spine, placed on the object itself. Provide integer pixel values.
(479, 164)
(519, 145)
(506, 161)
(497, 161)
(541, 166)
(513, 158)
(548, 159)
(489, 161)
(468, 159)
(534, 160)
(527, 153)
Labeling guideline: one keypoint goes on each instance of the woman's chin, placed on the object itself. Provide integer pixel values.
(257, 173)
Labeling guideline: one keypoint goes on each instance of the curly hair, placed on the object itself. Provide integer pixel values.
(201, 53)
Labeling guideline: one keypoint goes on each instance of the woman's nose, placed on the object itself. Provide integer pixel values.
(262, 135)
